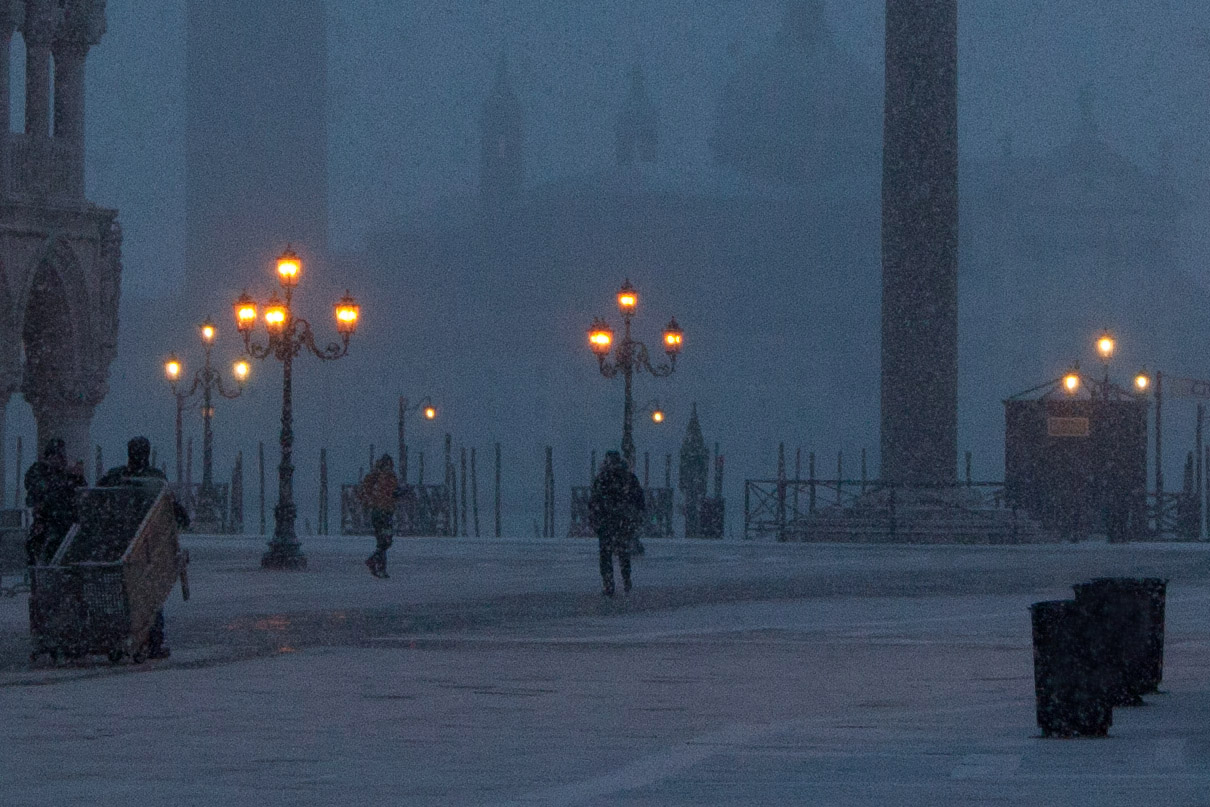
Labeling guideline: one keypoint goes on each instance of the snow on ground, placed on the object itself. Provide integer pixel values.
(493, 673)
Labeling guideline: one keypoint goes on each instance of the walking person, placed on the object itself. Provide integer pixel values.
(379, 493)
(615, 511)
(50, 493)
(138, 467)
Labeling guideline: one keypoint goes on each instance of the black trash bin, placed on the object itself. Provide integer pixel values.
(1157, 596)
(1070, 702)
(1119, 614)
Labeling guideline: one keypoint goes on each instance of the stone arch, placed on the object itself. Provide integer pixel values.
(54, 329)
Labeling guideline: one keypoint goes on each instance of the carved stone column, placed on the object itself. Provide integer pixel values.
(42, 19)
(12, 15)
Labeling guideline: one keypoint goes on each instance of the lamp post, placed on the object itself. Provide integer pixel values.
(289, 334)
(1105, 347)
(429, 411)
(631, 356)
(207, 381)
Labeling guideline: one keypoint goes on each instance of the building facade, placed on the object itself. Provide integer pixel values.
(60, 255)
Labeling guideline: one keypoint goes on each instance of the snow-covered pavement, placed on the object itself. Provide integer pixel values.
(492, 672)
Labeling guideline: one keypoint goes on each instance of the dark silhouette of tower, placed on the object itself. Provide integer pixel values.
(257, 144)
(502, 161)
(638, 122)
(920, 243)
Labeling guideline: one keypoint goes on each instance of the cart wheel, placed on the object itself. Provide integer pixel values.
(115, 656)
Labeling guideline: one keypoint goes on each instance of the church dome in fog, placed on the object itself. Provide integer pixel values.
(800, 109)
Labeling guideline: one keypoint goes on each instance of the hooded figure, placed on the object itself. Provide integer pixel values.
(138, 466)
(379, 492)
(50, 492)
(615, 512)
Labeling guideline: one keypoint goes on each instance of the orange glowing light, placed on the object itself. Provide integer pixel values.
(245, 313)
(289, 268)
(275, 316)
(430, 413)
(347, 314)
(1142, 382)
(1071, 382)
(600, 337)
(628, 299)
(674, 338)
(173, 369)
(208, 332)
(657, 416)
(241, 370)
(1106, 345)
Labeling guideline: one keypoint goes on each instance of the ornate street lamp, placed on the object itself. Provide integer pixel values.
(1071, 382)
(428, 411)
(631, 356)
(207, 381)
(1106, 344)
(289, 335)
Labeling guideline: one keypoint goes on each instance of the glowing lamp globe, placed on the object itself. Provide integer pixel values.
(241, 370)
(173, 369)
(1142, 382)
(430, 413)
(245, 313)
(208, 332)
(1071, 382)
(347, 314)
(275, 316)
(657, 416)
(600, 337)
(1105, 345)
(289, 268)
(674, 338)
(628, 299)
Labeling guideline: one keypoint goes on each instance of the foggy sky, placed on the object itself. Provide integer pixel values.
(407, 80)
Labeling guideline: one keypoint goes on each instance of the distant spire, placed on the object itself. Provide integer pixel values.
(638, 122)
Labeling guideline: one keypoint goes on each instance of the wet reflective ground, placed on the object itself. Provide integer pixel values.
(493, 673)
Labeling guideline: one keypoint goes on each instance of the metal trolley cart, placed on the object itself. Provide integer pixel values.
(113, 572)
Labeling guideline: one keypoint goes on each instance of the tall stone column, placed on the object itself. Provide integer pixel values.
(69, 89)
(920, 244)
(41, 21)
(12, 15)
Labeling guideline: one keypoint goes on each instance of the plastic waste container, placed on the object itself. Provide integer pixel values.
(1070, 701)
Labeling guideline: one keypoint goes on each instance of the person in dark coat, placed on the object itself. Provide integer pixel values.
(50, 493)
(138, 466)
(379, 493)
(615, 512)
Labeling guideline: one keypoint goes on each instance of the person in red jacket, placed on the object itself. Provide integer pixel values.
(378, 492)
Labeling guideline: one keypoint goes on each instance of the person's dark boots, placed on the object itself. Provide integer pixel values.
(608, 590)
(626, 585)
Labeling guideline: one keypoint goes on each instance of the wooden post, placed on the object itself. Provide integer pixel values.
(969, 478)
(17, 486)
(1159, 453)
(797, 474)
(236, 504)
(373, 458)
(863, 471)
(646, 470)
(668, 471)
(402, 456)
(548, 489)
(718, 473)
(451, 484)
(1197, 436)
(811, 483)
(497, 490)
(464, 524)
(474, 491)
(99, 467)
(188, 467)
(260, 462)
(420, 468)
(322, 518)
(781, 491)
(839, 473)
(592, 467)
